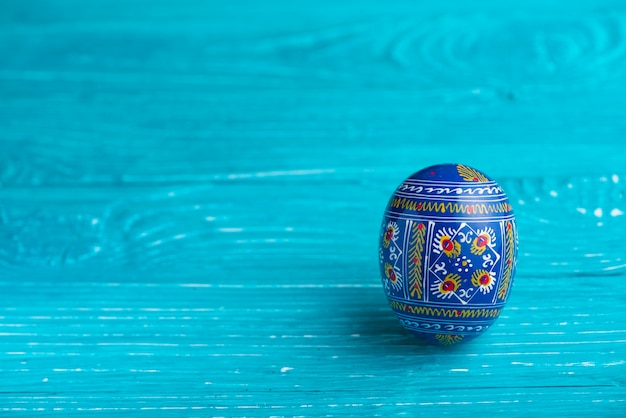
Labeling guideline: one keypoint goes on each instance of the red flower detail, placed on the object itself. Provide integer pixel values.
(448, 286)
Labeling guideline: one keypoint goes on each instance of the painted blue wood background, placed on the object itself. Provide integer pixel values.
(190, 196)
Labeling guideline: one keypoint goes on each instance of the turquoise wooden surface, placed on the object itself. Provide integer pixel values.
(191, 194)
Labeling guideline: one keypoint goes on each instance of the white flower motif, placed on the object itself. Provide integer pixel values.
(463, 264)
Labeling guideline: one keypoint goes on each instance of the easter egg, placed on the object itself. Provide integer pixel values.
(448, 253)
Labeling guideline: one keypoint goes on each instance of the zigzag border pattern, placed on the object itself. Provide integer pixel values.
(444, 312)
(449, 207)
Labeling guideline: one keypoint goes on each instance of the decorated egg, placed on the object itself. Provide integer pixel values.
(448, 252)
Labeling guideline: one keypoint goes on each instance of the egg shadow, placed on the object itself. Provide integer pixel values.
(373, 328)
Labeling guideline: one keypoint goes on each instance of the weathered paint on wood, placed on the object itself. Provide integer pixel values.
(191, 192)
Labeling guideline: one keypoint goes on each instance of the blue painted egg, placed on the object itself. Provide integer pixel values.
(448, 251)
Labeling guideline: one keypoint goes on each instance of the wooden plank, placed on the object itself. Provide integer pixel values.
(273, 92)
(225, 346)
(291, 222)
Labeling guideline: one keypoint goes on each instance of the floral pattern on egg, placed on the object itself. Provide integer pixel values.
(448, 251)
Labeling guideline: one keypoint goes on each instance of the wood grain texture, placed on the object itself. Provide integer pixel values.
(190, 196)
